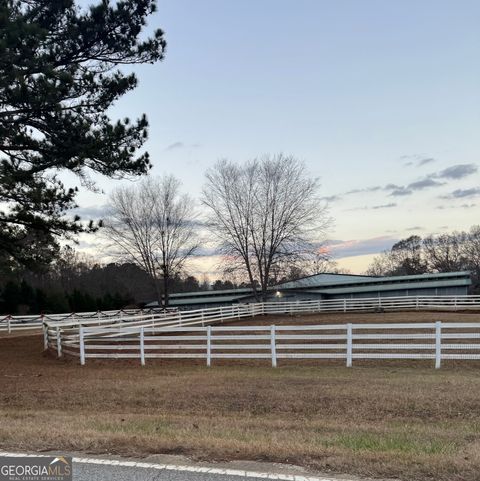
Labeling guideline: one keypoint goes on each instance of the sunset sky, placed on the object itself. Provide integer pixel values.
(380, 99)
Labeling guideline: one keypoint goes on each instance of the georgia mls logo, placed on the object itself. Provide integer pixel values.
(35, 468)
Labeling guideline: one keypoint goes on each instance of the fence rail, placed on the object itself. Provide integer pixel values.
(27, 322)
(63, 332)
(350, 342)
(218, 314)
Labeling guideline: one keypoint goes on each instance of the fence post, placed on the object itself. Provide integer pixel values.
(344, 305)
(349, 345)
(455, 302)
(82, 346)
(209, 346)
(59, 343)
(273, 346)
(45, 337)
(142, 346)
(9, 327)
(438, 344)
(416, 303)
(203, 318)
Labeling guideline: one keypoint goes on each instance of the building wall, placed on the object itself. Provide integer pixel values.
(440, 291)
(349, 292)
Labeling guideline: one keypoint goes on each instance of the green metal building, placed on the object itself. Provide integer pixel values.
(334, 286)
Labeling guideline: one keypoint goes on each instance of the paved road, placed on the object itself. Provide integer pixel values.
(96, 470)
(91, 472)
(177, 468)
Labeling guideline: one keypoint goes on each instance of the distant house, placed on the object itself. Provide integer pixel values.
(333, 286)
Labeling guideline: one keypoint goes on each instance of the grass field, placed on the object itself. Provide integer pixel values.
(384, 419)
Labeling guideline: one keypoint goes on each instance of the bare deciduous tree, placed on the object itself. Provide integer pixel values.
(445, 252)
(448, 252)
(264, 213)
(152, 225)
(471, 251)
(406, 257)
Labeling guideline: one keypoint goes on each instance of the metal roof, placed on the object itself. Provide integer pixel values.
(391, 287)
(319, 279)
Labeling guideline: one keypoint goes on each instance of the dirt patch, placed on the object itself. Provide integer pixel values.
(361, 317)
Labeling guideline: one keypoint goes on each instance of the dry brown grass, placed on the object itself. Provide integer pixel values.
(388, 419)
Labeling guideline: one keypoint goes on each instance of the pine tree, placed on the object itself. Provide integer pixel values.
(58, 78)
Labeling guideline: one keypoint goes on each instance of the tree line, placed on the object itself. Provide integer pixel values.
(75, 282)
(448, 252)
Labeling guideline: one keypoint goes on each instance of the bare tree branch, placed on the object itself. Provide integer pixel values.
(264, 214)
(151, 224)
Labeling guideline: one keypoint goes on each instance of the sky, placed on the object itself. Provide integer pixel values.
(380, 99)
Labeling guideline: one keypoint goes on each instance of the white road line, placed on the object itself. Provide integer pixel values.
(192, 469)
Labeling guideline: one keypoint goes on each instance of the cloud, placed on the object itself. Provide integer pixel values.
(462, 206)
(414, 228)
(374, 207)
(175, 145)
(463, 193)
(384, 206)
(331, 198)
(203, 251)
(359, 247)
(418, 160)
(182, 145)
(401, 191)
(92, 212)
(455, 172)
(365, 189)
(426, 160)
(423, 184)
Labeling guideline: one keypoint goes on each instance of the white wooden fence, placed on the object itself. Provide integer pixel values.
(27, 322)
(56, 332)
(60, 324)
(348, 342)
(236, 311)
(215, 315)
(13, 323)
